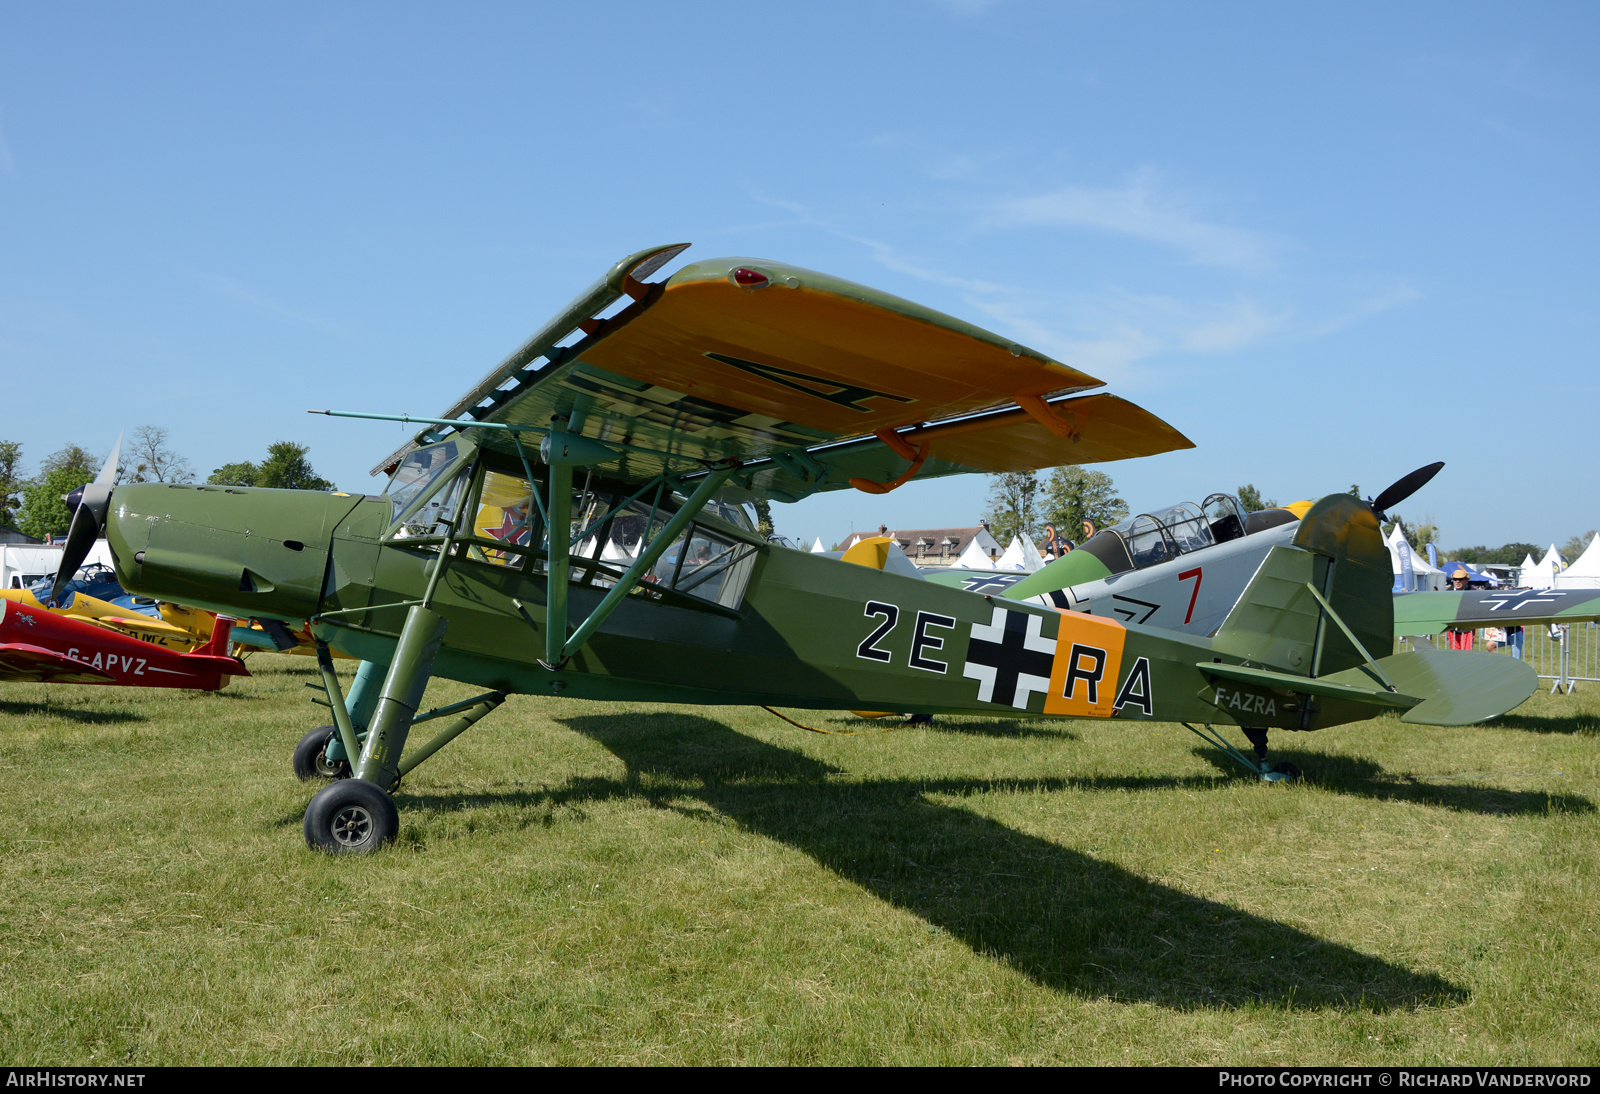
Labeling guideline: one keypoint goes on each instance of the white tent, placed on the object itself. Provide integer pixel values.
(817, 548)
(1584, 573)
(1423, 577)
(1021, 555)
(974, 557)
(1543, 576)
(1525, 571)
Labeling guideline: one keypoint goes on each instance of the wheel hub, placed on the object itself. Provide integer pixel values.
(352, 825)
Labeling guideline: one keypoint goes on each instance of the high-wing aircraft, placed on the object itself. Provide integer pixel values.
(574, 525)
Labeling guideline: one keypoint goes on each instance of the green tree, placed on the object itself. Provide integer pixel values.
(1013, 505)
(1073, 496)
(1511, 554)
(1418, 535)
(763, 517)
(11, 480)
(285, 468)
(72, 457)
(234, 474)
(1253, 502)
(44, 514)
(1576, 545)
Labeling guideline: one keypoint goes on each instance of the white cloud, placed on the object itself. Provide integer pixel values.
(1141, 210)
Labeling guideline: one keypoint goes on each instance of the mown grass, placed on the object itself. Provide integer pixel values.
(625, 883)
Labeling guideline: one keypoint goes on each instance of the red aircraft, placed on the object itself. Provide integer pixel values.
(44, 647)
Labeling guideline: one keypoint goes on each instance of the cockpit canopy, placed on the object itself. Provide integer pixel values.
(1162, 535)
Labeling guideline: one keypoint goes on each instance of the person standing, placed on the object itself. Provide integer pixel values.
(1459, 639)
(1514, 640)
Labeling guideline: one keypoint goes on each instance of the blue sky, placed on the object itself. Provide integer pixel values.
(1329, 243)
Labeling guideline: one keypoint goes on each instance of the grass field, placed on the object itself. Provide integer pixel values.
(583, 883)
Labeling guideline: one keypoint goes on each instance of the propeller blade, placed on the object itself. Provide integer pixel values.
(80, 538)
(1404, 488)
(108, 470)
(87, 521)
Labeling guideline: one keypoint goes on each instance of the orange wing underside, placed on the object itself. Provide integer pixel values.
(816, 384)
(819, 360)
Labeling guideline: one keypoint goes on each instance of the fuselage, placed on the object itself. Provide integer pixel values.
(772, 625)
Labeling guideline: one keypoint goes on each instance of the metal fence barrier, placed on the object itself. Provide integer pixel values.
(1570, 654)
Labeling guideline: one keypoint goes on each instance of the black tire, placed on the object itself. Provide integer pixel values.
(351, 817)
(311, 756)
(1288, 770)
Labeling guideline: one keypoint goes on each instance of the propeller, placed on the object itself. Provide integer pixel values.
(89, 503)
(1402, 489)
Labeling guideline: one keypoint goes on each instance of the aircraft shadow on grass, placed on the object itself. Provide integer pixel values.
(71, 714)
(1587, 725)
(1065, 919)
(1006, 727)
(1351, 775)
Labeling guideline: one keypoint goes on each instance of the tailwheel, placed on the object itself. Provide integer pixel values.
(311, 756)
(351, 817)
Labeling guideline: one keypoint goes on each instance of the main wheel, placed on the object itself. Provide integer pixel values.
(311, 756)
(1289, 771)
(351, 817)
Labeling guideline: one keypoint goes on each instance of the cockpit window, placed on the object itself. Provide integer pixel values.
(1160, 536)
(417, 472)
(505, 513)
(1147, 541)
(436, 515)
(1225, 516)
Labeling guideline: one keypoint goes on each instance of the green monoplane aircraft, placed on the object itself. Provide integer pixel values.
(576, 525)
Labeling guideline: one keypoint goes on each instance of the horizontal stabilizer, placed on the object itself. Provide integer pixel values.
(20, 661)
(1430, 613)
(1325, 686)
(1457, 687)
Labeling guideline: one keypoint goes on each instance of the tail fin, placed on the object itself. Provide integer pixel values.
(1294, 639)
(217, 645)
(1280, 624)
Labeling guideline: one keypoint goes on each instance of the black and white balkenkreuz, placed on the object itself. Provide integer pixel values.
(1010, 658)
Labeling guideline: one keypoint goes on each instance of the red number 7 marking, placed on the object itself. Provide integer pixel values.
(1185, 576)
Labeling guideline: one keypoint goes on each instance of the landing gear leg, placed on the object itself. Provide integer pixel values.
(357, 816)
(1277, 773)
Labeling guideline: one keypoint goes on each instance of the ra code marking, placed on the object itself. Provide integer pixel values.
(1144, 697)
(1090, 676)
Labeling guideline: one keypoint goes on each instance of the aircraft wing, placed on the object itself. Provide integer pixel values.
(1430, 613)
(808, 381)
(20, 662)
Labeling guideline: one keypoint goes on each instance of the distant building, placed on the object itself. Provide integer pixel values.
(9, 534)
(933, 546)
